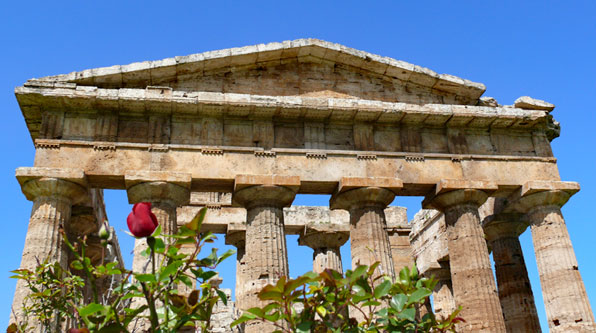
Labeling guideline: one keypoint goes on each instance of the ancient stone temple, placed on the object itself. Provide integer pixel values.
(244, 130)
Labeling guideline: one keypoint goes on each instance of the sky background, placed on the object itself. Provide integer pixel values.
(543, 49)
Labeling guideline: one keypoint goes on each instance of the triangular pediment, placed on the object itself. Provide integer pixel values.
(304, 67)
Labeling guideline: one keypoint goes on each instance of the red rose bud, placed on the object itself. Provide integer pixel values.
(141, 221)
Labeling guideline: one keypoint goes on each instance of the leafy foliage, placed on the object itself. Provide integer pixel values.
(360, 301)
(58, 294)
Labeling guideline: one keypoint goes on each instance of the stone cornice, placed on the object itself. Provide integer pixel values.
(150, 72)
(163, 100)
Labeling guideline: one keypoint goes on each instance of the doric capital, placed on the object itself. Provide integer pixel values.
(450, 193)
(361, 197)
(63, 184)
(536, 194)
(151, 186)
(254, 190)
(504, 225)
(317, 238)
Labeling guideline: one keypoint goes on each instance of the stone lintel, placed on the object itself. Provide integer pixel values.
(132, 178)
(25, 174)
(244, 181)
(535, 186)
(350, 183)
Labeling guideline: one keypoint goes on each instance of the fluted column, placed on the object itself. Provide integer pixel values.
(443, 302)
(165, 192)
(474, 287)
(266, 254)
(237, 239)
(52, 202)
(567, 306)
(325, 244)
(517, 300)
(368, 235)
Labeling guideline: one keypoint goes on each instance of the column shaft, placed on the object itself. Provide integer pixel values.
(369, 239)
(265, 243)
(515, 292)
(474, 287)
(327, 258)
(43, 241)
(267, 257)
(567, 305)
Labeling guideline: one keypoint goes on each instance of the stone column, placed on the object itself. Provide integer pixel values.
(399, 230)
(515, 292)
(366, 204)
(53, 192)
(565, 299)
(266, 254)
(326, 244)
(165, 192)
(237, 238)
(472, 279)
(443, 302)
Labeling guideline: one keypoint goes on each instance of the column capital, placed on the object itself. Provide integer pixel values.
(504, 225)
(155, 186)
(535, 194)
(275, 190)
(317, 238)
(65, 184)
(449, 193)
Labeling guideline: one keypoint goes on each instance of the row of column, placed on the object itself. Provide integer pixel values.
(467, 279)
(264, 197)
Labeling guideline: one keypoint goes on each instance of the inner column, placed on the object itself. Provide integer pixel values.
(474, 287)
(515, 292)
(265, 244)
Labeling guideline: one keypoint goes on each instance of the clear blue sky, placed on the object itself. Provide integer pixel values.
(543, 49)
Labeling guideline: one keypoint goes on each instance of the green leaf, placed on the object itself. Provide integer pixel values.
(169, 270)
(75, 264)
(407, 314)
(382, 289)
(197, 221)
(304, 327)
(398, 301)
(145, 277)
(157, 231)
(222, 296)
(90, 309)
(419, 295)
(246, 316)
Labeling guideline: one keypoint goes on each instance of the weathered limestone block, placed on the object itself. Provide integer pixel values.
(515, 292)
(266, 257)
(53, 199)
(237, 238)
(368, 235)
(526, 102)
(474, 287)
(430, 248)
(443, 301)
(567, 306)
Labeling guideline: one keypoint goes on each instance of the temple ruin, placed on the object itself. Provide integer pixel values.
(243, 130)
